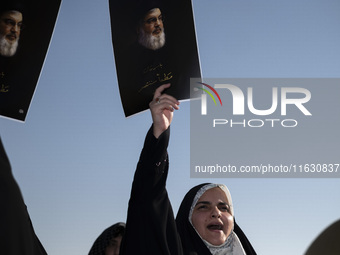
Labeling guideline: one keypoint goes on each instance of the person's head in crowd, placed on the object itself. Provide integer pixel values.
(11, 24)
(327, 242)
(205, 220)
(150, 29)
(108, 243)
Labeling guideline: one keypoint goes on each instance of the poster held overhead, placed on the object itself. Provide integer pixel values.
(154, 43)
(26, 29)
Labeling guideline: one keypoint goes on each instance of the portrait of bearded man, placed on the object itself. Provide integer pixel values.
(151, 30)
(25, 32)
(158, 48)
(11, 24)
(10, 28)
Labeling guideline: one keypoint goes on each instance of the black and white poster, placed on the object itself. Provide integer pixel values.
(26, 29)
(154, 43)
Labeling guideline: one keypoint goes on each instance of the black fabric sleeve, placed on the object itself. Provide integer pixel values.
(150, 226)
(17, 236)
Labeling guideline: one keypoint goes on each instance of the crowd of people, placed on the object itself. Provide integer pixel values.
(205, 222)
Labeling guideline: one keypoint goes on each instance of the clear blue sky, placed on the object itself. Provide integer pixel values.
(75, 156)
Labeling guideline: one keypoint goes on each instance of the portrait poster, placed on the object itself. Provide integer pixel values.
(26, 29)
(154, 43)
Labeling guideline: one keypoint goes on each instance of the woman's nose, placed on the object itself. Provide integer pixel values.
(216, 213)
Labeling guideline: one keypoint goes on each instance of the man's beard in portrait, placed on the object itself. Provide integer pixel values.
(8, 49)
(150, 41)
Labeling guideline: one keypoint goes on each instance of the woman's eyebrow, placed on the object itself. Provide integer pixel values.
(203, 202)
(209, 203)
